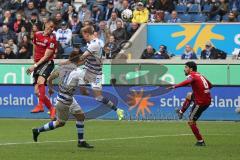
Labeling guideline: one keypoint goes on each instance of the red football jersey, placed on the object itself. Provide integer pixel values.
(200, 86)
(42, 43)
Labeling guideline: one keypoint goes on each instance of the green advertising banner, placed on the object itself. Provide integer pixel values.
(137, 74)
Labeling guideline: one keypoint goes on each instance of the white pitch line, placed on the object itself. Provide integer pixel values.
(110, 139)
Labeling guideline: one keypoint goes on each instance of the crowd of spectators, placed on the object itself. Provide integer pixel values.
(20, 19)
(209, 52)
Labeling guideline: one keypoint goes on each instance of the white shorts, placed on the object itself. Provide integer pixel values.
(63, 110)
(88, 78)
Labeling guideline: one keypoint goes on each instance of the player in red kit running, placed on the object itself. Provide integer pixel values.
(200, 97)
(44, 49)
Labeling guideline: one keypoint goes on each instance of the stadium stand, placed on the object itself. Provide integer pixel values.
(33, 14)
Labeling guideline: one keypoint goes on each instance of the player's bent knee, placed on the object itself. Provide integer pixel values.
(80, 116)
(189, 95)
(191, 122)
(41, 80)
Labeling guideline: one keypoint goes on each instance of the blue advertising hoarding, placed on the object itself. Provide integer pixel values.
(175, 36)
(139, 102)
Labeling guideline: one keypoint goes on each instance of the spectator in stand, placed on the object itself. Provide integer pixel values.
(109, 49)
(34, 30)
(7, 34)
(85, 13)
(232, 17)
(211, 52)
(19, 23)
(133, 28)
(158, 17)
(33, 21)
(162, 53)
(112, 22)
(67, 16)
(64, 36)
(97, 14)
(36, 3)
(44, 22)
(109, 9)
(26, 41)
(189, 53)
(174, 18)
(150, 6)
(75, 25)
(58, 20)
(103, 31)
(236, 53)
(234, 5)
(133, 4)
(148, 53)
(140, 14)
(219, 8)
(58, 10)
(164, 5)
(43, 14)
(8, 53)
(7, 19)
(22, 34)
(51, 6)
(23, 52)
(125, 5)
(13, 46)
(120, 34)
(30, 9)
(13, 5)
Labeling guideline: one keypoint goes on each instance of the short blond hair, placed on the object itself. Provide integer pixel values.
(88, 29)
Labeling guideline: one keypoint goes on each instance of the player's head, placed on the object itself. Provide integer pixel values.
(74, 57)
(189, 67)
(87, 32)
(49, 27)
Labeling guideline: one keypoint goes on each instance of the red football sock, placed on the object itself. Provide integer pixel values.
(186, 104)
(196, 131)
(48, 103)
(41, 88)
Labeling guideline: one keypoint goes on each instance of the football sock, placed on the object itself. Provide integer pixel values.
(41, 88)
(80, 130)
(47, 127)
(107, 102)
(48, 103)
(186, 104)
(196, 132)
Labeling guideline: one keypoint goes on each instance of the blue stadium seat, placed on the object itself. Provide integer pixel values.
(167, 17)
(67, 52)
(76, 40)
(181, 8)
(214, 19)
(185, 18)
(207, 8)
(225, 18)
(198, 18)
(194, 8)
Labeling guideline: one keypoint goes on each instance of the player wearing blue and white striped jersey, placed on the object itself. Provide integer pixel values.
(69, 78)
(92, 70)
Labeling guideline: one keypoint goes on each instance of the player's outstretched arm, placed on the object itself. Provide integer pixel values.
(184, 83)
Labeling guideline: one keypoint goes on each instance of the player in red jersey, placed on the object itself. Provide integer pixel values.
(44, 48)
(200, 97)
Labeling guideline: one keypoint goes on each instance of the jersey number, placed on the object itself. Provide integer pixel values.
(66, 75)
(204, 82)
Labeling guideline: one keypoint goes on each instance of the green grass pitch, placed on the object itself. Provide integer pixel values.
(120, 140)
